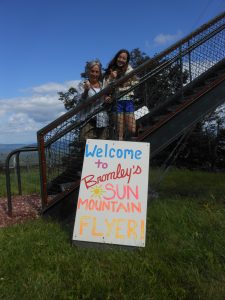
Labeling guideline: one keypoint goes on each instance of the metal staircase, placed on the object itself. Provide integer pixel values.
(179, 113)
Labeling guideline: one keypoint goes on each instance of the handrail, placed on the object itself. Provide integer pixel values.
(117, 82)
(181, 55)
(7, 173)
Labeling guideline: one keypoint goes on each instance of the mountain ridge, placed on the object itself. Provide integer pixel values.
(4, 148)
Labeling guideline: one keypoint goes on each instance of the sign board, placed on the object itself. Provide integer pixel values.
(112, 201)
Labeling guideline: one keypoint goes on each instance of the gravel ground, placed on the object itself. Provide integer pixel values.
(24, 208)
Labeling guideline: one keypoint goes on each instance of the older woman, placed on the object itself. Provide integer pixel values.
(95, 125)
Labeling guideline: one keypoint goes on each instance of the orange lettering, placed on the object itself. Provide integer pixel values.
(118, 235)
(83, 223)
(94, 232)
(109, 226)
(131, 228)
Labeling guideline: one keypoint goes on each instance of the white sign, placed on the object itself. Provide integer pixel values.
(112, 201)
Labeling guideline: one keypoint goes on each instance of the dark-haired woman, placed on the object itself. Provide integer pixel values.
(123, 106)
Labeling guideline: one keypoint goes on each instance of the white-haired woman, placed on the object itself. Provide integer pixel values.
(94, 125)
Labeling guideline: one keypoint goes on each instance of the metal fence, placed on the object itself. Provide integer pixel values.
(22, 173)
(61, 143)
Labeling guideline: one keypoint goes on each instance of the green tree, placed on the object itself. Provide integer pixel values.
(137, 57)
(163, 84)
(69, 98)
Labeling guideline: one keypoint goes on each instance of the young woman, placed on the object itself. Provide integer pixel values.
(124, 106)
(97, 125)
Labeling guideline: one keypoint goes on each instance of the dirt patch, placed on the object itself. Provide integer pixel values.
(23, 208)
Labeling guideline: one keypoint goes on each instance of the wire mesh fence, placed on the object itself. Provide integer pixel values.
(24, 175)
(61, 143)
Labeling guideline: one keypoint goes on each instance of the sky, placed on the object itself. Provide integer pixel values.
(44, 45)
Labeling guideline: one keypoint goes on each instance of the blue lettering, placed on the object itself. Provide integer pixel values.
(87, 154)
(119, 153)
(106, 150)
(138, 154)
(128, 152)
(110, 152)
(99, 152)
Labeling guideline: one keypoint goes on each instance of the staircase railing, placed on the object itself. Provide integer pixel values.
(160, 78)
(17, 166)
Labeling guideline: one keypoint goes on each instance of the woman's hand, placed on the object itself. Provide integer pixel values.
(113, 74)
(108, 99)
(126, 83)
(87, 85)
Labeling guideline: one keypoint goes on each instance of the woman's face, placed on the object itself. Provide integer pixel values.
(122, 59)
(94, 73)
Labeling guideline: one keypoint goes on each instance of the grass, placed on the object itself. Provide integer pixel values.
(184, 257)
(30, 180)
(185, 183)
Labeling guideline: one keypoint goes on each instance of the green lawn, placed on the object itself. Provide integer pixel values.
(30, 180)
(184, 257)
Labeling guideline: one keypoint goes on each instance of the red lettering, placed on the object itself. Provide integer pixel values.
(109, 187)
(88, 181)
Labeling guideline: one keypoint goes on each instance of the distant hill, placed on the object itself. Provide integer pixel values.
(6, 148)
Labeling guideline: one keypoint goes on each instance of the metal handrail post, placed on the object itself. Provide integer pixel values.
(18, 172)
(8, 184)
(7, 174)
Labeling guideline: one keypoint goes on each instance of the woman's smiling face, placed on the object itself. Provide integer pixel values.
(94, 73)
(122, 59)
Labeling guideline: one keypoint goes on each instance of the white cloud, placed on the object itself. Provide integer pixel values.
(163, 39)
(21, 120)
(52, 87)
(2, 112)
(22, 117)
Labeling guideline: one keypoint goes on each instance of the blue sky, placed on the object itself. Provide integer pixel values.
(45, 44)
